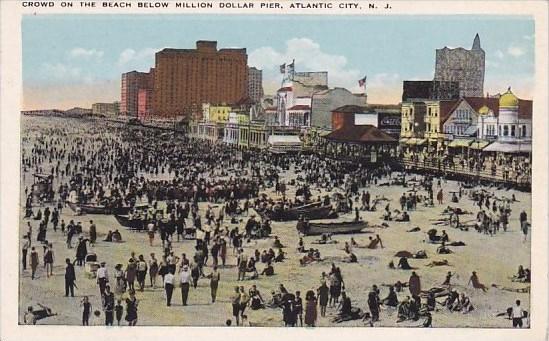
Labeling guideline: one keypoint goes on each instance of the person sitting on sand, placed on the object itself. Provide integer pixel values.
(277, 244)
(346, 312)
(33, 315)
(300, 246)
(403, 264)
(404, 311)
(354, 243)
(448, 279)
(392, 299)
(350, 257)
(116, 236)
(280, 257)
(452, 301)
(268, 270)
(465, 305)
(374, 242)
(108, 238)
(402, 217)
(443, 250)
(476, 283)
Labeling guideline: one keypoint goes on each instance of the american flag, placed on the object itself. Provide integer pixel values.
(362, 82)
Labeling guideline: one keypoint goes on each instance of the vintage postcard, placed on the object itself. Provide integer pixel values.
(319, 165)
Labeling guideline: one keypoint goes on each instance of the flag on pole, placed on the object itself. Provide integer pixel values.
(283, 68)
(362, 82)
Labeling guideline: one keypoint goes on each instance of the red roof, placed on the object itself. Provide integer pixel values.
(286, 88)
(446, 108)
(525, 106)
(363, 134)
(300, 107)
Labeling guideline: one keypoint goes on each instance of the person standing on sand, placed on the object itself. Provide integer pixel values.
(185, 282)
(310, 309)
(235, 301)
(70, 278)
(93, 233)
(33, 262)
(323, 293)
(414, 284)
(214, 283)
(168, 287)
(153, 270)
(26, 246)
(108, 305)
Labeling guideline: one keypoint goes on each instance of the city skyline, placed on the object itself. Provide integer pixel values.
(85, 67)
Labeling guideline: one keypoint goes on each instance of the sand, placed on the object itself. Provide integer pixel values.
(494, 258)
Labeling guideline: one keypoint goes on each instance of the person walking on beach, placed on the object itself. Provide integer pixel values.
(168, 287)
(26, 246)
(70, 278)
(214, 283)
(33, 262)
(185, 282)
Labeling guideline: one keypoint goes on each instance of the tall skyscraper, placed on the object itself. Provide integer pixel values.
(255, 84)
(463, 66)
(186, 78)
(132, 82)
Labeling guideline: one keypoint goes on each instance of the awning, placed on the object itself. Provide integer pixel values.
(414, 141)
(479, 144)
(460, 143)
(284, 139)
(503, 147)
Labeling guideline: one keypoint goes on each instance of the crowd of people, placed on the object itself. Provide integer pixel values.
(191, 192)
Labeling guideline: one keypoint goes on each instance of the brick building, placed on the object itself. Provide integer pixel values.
(132, 82)
(186, 78)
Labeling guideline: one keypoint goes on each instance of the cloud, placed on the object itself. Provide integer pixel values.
(528, 37)
(308, 56)
(139, 58)
(61, 71)
(499, 54)
(491, 63)
(515, 51)
(80, 52)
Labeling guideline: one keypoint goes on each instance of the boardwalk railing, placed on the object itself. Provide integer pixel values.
(499, 175)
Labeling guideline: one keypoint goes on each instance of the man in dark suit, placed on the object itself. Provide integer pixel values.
(70, 278)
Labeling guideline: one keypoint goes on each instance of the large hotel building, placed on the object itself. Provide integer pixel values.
(186, 78)
(132, 82)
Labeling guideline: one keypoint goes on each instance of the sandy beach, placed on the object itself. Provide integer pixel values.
(494, 258)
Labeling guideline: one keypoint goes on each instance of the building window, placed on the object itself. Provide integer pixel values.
(513, 130)
(505, 130)
(524, 130)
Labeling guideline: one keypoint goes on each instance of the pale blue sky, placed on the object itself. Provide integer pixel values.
(78, 59)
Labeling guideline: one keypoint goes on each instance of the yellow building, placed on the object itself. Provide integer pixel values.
(436, 113)
(219, 113)
(412, 126)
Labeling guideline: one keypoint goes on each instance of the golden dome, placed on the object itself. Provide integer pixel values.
(484, 110)
(508, 99)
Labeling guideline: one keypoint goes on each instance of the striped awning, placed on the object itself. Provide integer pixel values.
(460, 143)
(479, 144)
(414, 141)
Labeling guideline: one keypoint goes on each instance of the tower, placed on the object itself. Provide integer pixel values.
(463, 66)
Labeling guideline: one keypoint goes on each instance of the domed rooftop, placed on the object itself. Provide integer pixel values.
(508, 99)
(484, 110)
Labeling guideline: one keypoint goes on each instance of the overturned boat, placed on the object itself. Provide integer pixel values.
(315, 229)
(310, 212)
